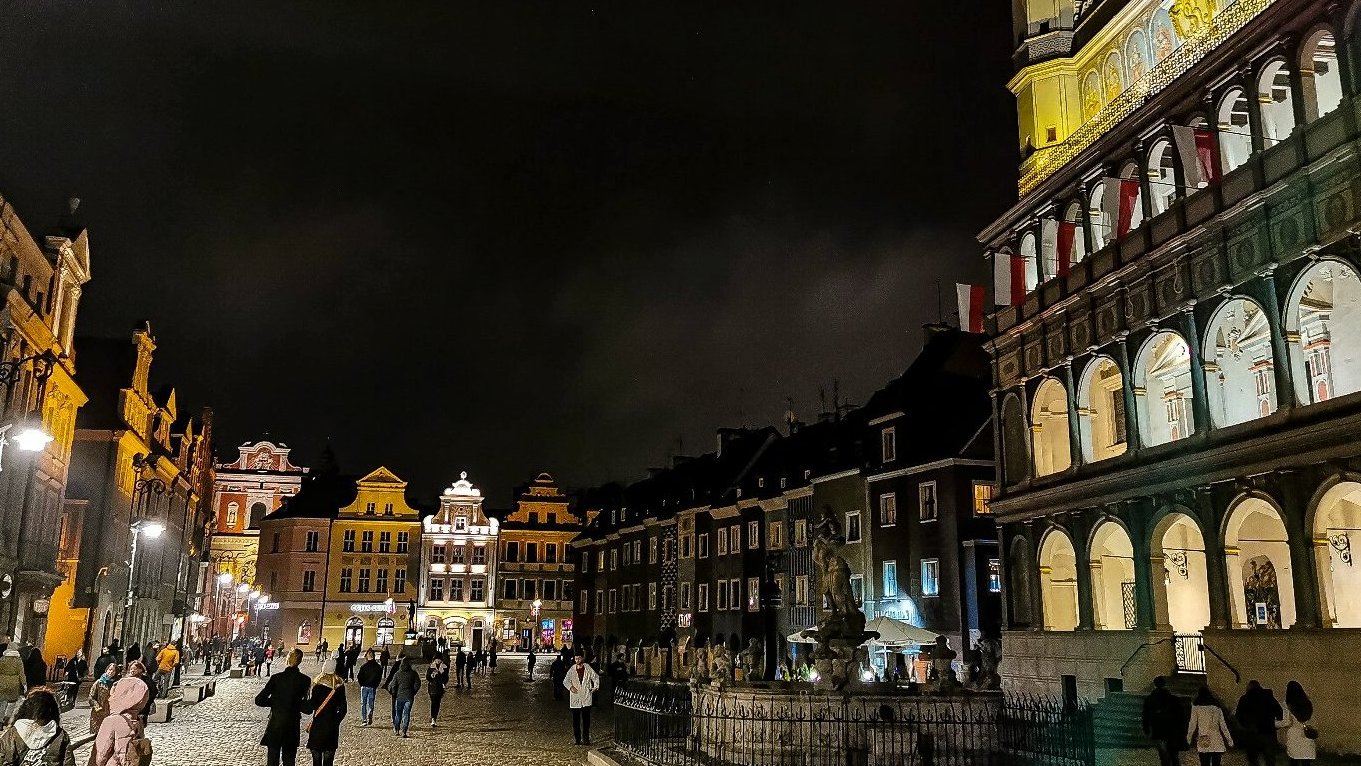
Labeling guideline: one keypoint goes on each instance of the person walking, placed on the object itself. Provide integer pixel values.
(104, 659)
(100, 692)
(36, 737)
(133, 654)
(436, 678)
(77, 668)
(35, 669)
(530, 660)
(403, 684)
(12, 684)
(328, 710)
(1257, 714)
(557, 673)
(460, 667)
(1300, 738)
(1164, 722)
(288, 696)
(581, 684)
(1208, 732)
(123, 728)
(138, 671)
(269, 659)
(351, 661)
(491, 659)
(166, 661)
(370, 677)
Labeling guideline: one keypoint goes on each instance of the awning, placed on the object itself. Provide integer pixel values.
(898, 633)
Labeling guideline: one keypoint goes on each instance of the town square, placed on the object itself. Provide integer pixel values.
(676, 385)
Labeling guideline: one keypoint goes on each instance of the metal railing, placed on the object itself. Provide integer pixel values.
(659, 725)
(1190, 651)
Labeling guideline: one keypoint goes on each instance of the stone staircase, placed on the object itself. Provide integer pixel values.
(1117, 720)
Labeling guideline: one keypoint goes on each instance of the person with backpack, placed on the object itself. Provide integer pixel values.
(328, 710)
(287, 695)
(120, 740)
(403, 683)
(36, 737)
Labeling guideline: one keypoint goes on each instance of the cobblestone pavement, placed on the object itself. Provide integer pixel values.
(505, 719)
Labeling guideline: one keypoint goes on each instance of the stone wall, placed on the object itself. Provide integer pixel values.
(1034, 662)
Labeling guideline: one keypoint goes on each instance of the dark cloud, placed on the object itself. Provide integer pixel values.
(513, 236)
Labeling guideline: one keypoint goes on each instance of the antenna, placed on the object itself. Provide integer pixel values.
(940, 306)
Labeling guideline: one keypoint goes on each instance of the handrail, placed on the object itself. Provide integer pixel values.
(1237, 677)
(1140, 649)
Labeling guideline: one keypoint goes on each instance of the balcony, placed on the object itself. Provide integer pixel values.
(1044, 44)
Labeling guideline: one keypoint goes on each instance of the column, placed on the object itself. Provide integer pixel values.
(1302, 94)
(1085, 218)
(1127, 384)
(1302, 566)
(1145, 610)
(1217, 577)
(1085, 612)
(1200, 406)
(1145, 189)
(1074, 434)
(1280, 350)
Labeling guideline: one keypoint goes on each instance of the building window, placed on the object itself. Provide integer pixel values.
(233, 510)
(275, 543)
(346, 579)
(309, 581)
(801, 590)
(402, 540)
(387, 509)
(930, 577)
(637, 551)
(753, 534)
(550, 590)
(585, 605)
(508, 589)
(858, 588)
(313, 542)
(668, 598)
(370, 509)
(800, 533)
(614, 600)
(600, 602)
(614, 559)
(460, 523)
(384, 542)
(704, 545)
(888, 445)
(926, 500)
(364, 575)
(652, 550)
(703, 597)
(685, 595)
(437, 554)
(735, 538)
(456, 589)
(458, 554)
(531, 553)
(890, 579)
(399, 580)
(530, 588)
(366, 542)
(982, 498)
(550, 553)
(600, 561)
(723, 542)
(687, 543)
(436, 589)
(479, 556)
(652, 597)
(775, 535)
(888, 509)
(994, 575)
(477, 588)
(753, 594)
(625, 553)
(735, 600)
(853, 527)
(722, 604)
(347, 541)
(381, 583)
(585, 561)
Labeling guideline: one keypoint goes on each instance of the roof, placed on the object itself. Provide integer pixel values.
(104, 366)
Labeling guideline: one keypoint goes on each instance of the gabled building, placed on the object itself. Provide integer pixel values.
(244, 492)
(457, 590)
(536, 573)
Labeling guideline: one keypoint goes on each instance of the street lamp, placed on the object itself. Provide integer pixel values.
(152, 529)
(534, 629)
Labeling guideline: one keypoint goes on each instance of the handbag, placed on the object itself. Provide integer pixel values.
(138, 752)
(320, 708)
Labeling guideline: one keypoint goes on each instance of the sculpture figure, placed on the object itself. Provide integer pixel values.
(845, 620)
(699, 672)
(753, 660)
(989, 657)
(942, 659)
(721, 666)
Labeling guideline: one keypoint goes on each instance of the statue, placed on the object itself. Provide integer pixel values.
(721, 671)
(942, 657)
(753, 660)
(845, 620)
(699, 672)
(989, 657)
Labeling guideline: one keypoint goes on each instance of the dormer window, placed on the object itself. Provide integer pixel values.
(888, 444)
(460, 523)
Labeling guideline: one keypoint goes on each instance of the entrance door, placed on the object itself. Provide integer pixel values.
(354, 631)
(477, 637)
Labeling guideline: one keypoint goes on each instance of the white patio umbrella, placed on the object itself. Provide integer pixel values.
(798, 637)
(898, 633)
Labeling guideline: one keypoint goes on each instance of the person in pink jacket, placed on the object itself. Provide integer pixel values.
(123, 723)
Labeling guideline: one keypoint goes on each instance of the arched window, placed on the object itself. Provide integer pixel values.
(1162, 176)
(1058, 581)
(1049, 235)
(1278, 109)
(1337, 527)
(1032, 266)
(1073, 215)
(1319, 75)
(1323, 322)
(1112, 565)
(1014, 451)
(1092, 100)
(1235, 132)
(1101, 409)
(1103, 222)
(1240, 374)
(1162, 389)
(1182, 593)
(257, 512)
(1257, 556)
(233, 511)
(1049, 428)
(1136, 218)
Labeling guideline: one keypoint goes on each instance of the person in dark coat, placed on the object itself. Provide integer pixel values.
(329, 708)
(351, 661)
(1257, 712)
(529, 661)
(557, 672)
(35, 670)
(1165, 722)
(370, 678)
(133, 654)
(288, 695)
(103, 661)
(138, 670)
(403, 683)
(436, 678)
(342, 663)
(460, 668)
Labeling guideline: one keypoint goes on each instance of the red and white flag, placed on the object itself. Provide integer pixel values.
(1008, 272)
(1067, 236)
(970, 307)
(1198, 149)
(1119, 196)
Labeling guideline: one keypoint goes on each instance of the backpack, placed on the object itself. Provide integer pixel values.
(138, 752)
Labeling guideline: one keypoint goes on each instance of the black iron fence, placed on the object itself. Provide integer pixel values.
(661, 724)
(1190, 651)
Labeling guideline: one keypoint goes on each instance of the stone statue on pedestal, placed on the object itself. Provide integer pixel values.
(753, 660)
(989, 657)
(841, 630)
(699, 671)
(942, 657)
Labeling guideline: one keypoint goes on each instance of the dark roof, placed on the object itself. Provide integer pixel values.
(321, 497)
(104, 367)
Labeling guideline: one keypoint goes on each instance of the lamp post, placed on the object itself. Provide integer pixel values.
(152, 530)
(534, 628)
(224, 580)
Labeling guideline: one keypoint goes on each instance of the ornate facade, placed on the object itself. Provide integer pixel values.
(536, 566)
(458, 570)
(1178, 383)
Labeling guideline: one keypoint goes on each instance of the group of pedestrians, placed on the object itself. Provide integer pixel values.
(1259, 721)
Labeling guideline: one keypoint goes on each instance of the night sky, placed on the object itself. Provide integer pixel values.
(511, 237)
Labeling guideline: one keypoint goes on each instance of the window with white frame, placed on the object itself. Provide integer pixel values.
(753, 535)
(858, 588)
(637, 551)
(704, 545)
(888, 509)
(687, 546)
(614, 600)
(233, 510)
(735, 599)
(585, 602)
(600, 602)
(652, 550)
(704, 597)
(888, 444)
(652, 596)
(775, 535)
(722, 587)
(735, 538)
(753, 594)
(801, 589)
(723, 542)
(890, 579)
(800, 533)
(982, 498)
(926, 500)
(614, 559)
(930, 577)
(853, 527)
(625, 555)
(685, 595)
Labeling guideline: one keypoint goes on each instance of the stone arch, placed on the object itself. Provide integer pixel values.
(1323, 327)
(258, 511)
(1235, 129)
(1020, 576)
(1058, 580)
(1101, 410)
(1320, 75)
(1258, 564)
(1240, 374)
(1110, 555)
(1073, 214)
(1050, 443)
(1336, 528)
(1162, 389)
(1161, 166)
(1049, 259)
(1102, 220)
(1030, 255)
(1275, 101)
(1015, 449)
(1181, 588)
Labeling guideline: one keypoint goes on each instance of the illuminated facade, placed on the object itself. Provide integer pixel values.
(1177, 350)
(535, 565)
(458, 570)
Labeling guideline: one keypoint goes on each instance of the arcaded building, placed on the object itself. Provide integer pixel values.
(1177, 350)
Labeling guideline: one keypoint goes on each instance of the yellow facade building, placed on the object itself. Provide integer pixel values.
(535, 573)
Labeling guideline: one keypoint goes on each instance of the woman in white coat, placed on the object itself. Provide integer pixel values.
(581, 683)
(1208, 732)
(1300, 748)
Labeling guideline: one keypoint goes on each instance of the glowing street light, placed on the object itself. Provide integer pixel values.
(32, 439)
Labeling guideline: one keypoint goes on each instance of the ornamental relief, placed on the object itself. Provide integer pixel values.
(1009, 368)
(1245, 256)
(1108, 318)
(1139, 302)
(1289, 234)
(1171, 287)
(1335, 210)
(1054, 343)
(1034, 357)
(1080, 330)
(1207, 271)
